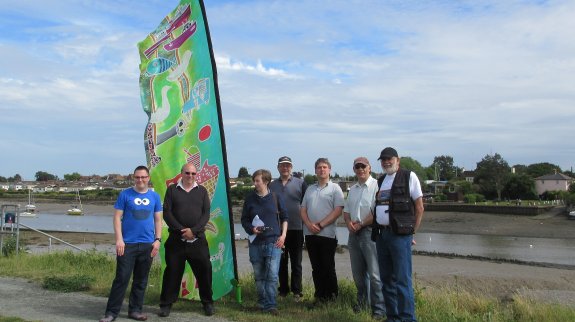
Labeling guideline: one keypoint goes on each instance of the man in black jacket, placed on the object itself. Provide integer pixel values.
(186, 212)
(399, 209)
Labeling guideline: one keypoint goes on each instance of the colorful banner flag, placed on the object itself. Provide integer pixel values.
(178, 89)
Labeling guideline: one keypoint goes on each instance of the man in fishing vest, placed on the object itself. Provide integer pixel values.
(399, 209)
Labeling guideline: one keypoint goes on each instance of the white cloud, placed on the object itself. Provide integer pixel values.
(306, 78)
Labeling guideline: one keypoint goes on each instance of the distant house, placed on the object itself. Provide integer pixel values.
(468, 175)
(553, 182)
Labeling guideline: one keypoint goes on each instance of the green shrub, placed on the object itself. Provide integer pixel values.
(473, 198)
(9, 246)
(74, 283)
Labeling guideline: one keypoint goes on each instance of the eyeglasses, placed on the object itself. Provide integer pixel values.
(140, 177)
(359, 166)
(190, 173)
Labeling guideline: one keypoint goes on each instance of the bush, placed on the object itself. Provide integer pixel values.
(473, 198)
(9, 246)
(74, 283)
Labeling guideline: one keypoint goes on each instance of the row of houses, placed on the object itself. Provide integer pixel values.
(550, 182)
(41, 187)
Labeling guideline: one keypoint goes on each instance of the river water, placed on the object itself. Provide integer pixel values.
(542, 250)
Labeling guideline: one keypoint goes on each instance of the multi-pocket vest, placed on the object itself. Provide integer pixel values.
(401, 207)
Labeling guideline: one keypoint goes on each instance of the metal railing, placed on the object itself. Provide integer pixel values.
(56, 238)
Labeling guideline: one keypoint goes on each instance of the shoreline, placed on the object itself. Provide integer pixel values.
(492, 277)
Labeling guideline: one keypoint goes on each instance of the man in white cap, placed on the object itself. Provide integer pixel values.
(292, 189)
(358, 216)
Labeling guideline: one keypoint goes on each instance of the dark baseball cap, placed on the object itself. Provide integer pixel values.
(284, 160)
(387, 153)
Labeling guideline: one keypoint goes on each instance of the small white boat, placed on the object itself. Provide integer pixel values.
(76, 210)
(30, 208)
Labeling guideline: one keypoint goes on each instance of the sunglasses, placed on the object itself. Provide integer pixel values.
(190, 173)
(140, 177)
(359, 166)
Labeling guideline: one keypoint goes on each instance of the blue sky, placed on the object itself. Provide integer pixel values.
(308, 79)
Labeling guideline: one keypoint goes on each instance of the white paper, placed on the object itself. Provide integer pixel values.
(256, 222)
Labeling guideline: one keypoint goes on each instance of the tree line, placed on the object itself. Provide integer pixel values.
(493, 178)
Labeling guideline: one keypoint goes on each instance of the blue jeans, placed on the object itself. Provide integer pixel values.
(394, 256)
(365, 270)
(265, 259)
(137, 259)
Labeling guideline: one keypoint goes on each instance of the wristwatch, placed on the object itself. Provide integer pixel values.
(158, 239)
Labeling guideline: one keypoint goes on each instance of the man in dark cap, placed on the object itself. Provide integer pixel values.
(292, 189)
(398, 213)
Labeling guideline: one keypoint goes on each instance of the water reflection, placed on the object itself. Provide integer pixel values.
(543, 250)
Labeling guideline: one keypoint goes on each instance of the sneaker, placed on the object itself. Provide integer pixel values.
(138, 316)
(164, 311)
(209, 309)
(107, 318)
(298, 298)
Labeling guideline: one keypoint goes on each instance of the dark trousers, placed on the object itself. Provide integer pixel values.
(321, 252)
(293, 248)
(137, 259)
(197, 255)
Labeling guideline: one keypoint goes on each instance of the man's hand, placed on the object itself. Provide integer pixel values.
(120, 247)
(354, 227)
(280, 242)
(187, 234)
(155, 248)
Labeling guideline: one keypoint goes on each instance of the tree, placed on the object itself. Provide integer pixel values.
(520, 186)
(44, 176)
(310, 179)
(72, 176)
(491, 174)
(15, 178)
(444, 166)
(243, 173)
(540, 169)
(520, 169)
(408, 163)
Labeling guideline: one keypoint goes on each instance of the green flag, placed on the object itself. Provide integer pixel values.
(179, 93)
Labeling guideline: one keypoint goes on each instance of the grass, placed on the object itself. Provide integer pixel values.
(93, 273)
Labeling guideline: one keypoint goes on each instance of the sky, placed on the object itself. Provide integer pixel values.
(307, 79)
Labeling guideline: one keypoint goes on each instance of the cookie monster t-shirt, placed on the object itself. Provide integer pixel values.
(138, 216)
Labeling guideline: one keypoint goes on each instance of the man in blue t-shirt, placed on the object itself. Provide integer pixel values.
(138, 230)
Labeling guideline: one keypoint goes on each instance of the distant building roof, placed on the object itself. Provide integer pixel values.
(555, 176)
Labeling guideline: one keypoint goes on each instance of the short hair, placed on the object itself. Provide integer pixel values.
(266, 175)
(142, 167)
(322, 160)
(185, 164)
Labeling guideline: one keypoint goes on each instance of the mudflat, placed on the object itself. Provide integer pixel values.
(485, 277)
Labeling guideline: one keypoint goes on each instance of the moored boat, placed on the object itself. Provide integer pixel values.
(76, 210)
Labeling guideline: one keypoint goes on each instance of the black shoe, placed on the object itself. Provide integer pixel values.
(164, 311)
(209, 309)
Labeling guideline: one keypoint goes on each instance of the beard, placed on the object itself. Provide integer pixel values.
(392, 169)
